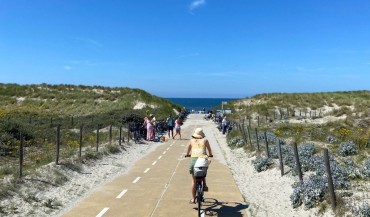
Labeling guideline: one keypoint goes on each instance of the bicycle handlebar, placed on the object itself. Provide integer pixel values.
(188, 155)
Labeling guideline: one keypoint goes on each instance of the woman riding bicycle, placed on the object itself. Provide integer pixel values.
(197, 147)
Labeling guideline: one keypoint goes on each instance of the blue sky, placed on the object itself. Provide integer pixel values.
(188, 48)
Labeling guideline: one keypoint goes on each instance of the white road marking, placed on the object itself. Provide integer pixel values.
(168, 149)
(136, 180)
(159, 157)
(121, 194)
(147, 170)
(102, 212)
(164, 152)
(154, 163)
(165, 189)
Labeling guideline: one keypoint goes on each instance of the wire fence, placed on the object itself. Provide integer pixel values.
(37, 143)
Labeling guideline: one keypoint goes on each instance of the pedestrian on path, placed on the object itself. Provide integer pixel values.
(170, 123)
(197, 147)
(178, 123)
(154, 123)
(149, 129)
(224, 124)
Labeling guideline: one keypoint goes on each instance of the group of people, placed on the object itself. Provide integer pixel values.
(150, 123)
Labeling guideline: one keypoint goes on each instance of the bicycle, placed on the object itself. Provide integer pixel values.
(137, 130)
(200, 174)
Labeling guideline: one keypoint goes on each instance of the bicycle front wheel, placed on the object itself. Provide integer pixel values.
(199, 198)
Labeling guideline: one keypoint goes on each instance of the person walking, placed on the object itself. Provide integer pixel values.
(224, 125)
(178, 123)
(149, 129)
(154, 123)
(197, 147)
(170, 123)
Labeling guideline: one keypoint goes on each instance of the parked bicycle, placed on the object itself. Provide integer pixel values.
(138, 131)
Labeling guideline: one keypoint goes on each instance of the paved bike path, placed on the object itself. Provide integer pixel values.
(160, 185)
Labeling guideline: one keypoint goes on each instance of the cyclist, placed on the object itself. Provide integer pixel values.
(197, 147)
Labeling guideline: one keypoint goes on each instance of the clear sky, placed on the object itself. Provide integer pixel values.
(188, 48)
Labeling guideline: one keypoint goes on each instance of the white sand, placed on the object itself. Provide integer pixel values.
(266, 193)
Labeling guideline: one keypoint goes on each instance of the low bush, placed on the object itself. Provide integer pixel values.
(332, 139)
(112, 148)
(362, 211)
(309, 192)
(347, 148)
(366, 169)
(262, 163)
(236, 142)
(351, 169)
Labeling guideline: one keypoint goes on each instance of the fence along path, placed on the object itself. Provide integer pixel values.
(159, 185)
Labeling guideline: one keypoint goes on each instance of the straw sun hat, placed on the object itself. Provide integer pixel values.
(198, 133)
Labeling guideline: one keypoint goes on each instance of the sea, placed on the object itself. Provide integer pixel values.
(198, 104)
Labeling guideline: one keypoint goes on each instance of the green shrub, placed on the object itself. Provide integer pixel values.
(113, 148)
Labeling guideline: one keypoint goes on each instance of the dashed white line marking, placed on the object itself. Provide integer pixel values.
(168, 149)
(121, 194)
(164, 152)
(154, 163)
(102, 212)
(147, 170)
(136, 180)
(159, 157)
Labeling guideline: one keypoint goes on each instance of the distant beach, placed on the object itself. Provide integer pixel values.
(197, 104)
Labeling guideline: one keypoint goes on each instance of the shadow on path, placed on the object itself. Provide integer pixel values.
(217, 208)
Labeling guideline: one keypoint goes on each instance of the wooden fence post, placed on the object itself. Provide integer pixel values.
(72, 121)
(298, 163)
(97, 138)
(110, 134)
(242, 130)
(280, 157)
(80, 151)
(267, 146)
(58, 145)
(249, 136)
(258, 121)
(120, 136)
(128, 133)
(21, 156)
(330, 179)
(258, 144)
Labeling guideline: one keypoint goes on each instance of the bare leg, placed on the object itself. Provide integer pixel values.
(193, 188)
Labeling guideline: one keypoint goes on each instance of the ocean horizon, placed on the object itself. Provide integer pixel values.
(198, 104)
